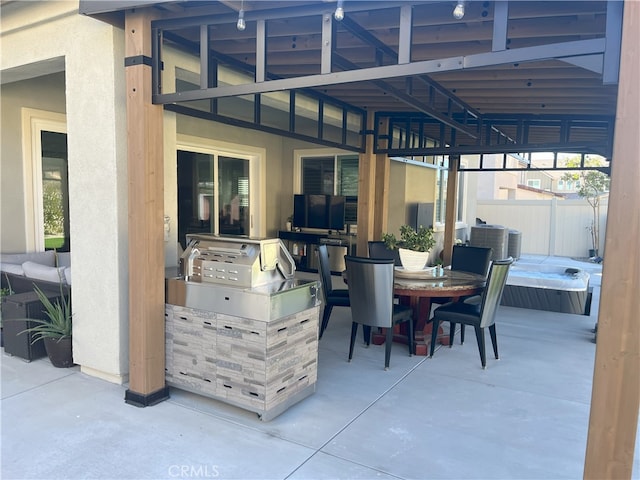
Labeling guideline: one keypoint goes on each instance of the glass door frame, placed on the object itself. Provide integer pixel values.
(257, 181)
(34, 122)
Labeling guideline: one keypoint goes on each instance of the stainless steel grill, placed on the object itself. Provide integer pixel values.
(240, 327)
(239, 262)
(251, 278)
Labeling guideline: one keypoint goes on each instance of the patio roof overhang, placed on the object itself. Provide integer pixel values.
(520, 62)
(507, 78)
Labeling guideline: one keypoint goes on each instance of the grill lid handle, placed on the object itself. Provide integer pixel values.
(286, 263)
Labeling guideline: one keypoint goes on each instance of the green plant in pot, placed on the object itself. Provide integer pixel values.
(55, 331)
(4, 292)
(414, 245)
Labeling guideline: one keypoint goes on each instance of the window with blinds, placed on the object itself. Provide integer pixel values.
(318, 175)
(333, 175)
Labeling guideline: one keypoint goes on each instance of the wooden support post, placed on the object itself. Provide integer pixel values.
(451, 213)
(381, 193)
(146, 210)
(366, 192)
(615, 397)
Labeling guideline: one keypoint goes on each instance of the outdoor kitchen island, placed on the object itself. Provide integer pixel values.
(239, 327)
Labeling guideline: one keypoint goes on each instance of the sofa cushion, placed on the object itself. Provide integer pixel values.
(63, 259)
(12, 268)
(43, 272)
(67, 275)
(43, 258)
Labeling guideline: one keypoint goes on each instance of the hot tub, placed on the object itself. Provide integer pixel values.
(554, 288)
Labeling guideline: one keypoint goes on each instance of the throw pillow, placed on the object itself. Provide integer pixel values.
(12, 268)
(43, 272)
(43, 258)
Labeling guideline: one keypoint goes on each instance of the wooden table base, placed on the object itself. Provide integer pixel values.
(422, 338)
(422, 327)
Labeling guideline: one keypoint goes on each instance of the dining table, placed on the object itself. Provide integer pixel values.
(417, 288)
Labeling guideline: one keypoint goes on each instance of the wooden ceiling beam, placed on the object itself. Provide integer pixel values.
(294, 49)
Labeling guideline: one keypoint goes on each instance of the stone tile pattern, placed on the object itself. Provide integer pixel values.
(252, 364)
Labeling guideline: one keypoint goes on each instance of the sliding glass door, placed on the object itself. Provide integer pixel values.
(55, 191)
(213, 195)
(233, 196)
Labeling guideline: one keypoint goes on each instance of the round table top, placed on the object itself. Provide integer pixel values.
(434, 280)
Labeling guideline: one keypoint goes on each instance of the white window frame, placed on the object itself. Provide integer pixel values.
(34, 122)
(531, 181)
(257, 174)
(298, 155)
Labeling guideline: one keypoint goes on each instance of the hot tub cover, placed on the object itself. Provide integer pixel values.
(556, 277)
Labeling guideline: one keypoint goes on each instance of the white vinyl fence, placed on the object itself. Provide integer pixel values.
(548, 227)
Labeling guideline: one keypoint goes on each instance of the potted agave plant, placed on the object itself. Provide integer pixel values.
(413, 246)
(55, 331)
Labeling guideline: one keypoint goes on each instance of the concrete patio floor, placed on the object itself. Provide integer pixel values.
(524, 417)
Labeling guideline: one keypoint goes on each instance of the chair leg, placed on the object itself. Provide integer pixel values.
(462, 333)
(354, 331)
(434, 335)
(480, 338)
(412, 338)
(494, 340)
(366, 334)
(452, 333)
(325, 318)
(387, 347)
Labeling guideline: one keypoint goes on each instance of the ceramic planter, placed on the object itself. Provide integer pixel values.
(412, 260)
(59, 351)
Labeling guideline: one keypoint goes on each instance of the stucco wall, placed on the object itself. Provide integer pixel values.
(96, 126)
(411, 184)
(42, 93)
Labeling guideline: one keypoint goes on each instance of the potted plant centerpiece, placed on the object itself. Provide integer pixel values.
(413, 246)
(55, 331)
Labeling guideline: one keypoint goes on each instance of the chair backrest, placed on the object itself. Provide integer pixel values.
(377, 249)
(492, 293)
(370, 282)
(471, 259)
(324, 269)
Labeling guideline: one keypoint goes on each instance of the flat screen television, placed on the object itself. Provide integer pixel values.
(319, 211)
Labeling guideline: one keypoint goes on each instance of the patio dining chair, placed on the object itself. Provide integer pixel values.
(371, 295)
(471, 259)
(468, 259)
(333, 297)
(377, 249)
(480, 315)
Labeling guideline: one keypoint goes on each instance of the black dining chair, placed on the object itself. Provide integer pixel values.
(471, 259)
(480, 315)
(468, 259)
(371, 293)
(333, 297)
(377, 249)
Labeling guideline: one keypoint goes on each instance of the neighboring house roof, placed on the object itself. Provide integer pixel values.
(541, 191)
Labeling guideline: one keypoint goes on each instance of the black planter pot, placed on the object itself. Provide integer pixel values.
(59, 351)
